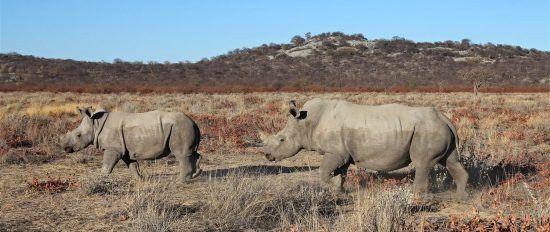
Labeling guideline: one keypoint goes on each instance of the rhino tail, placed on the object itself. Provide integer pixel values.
(198, 168)
(453, 129)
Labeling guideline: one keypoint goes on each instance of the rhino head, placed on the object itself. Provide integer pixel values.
(82, 136)
(287, 142)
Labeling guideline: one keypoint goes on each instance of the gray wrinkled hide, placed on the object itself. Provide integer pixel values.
(380, 138)
(137, 136)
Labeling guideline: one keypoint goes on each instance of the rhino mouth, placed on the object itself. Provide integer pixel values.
(68, 149)
(270, 157)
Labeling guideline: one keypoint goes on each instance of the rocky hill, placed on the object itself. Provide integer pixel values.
(325, 60)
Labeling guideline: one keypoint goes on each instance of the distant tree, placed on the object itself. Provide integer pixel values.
(118, 61)
(359, 36)
(396, 38)
(298, 40)
(477, 76)
(324, 35)
(308, 35)
(338, 33)
(465, 43)
(449, 43)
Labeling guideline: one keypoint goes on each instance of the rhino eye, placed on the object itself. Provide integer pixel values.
(77, 134)
(282, 140)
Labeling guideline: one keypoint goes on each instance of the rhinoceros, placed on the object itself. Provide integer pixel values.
(137, 136)
(379, 138)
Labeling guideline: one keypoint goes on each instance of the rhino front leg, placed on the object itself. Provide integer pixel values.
(340, 175)
(110, 158)
(333, 171)
(133, 165)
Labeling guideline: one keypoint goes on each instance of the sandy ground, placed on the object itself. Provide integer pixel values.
(23, 208)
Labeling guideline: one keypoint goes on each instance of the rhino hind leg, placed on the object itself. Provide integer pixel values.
(421, 183)
(186, 167)
(459, 174)
(428, 147)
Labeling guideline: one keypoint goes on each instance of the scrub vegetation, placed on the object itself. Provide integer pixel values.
(505, 146)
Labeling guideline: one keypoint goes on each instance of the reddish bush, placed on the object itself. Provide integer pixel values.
(464, 113)
(51, 185)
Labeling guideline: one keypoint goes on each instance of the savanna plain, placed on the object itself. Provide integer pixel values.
(504, 145)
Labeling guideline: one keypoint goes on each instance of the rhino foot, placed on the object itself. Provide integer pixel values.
(461, 196)
(196, 174)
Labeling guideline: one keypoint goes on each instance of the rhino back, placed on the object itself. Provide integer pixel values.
(378, 136)
(144, 135)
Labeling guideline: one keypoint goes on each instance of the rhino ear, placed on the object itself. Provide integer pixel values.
(98, 113)
(294, 111)
(85, 112)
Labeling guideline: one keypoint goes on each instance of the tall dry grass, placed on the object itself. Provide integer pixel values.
(504, 137)
(148, 208)
(377, 210)
(241, 201)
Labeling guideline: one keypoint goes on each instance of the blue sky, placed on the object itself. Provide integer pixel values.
(191, 30)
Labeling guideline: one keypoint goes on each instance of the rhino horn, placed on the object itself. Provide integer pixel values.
(263, 135)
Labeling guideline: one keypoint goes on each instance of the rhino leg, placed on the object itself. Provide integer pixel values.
(426, 150)
(340, 175)
(333, 170)
(186, 171)
(459, 174)
(110, 158)
(133, 165)
(421, 177)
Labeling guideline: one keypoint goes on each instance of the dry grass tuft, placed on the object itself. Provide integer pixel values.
(98, 184)
(25, 156)
(242, 201)
(149, 209)
(154, 217)
(376, 210)
(29, 139)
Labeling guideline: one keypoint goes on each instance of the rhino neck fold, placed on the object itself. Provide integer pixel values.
(98, 125)
(305, 141)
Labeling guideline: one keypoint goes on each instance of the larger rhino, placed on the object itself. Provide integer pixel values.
(137, 136)
(380, 138)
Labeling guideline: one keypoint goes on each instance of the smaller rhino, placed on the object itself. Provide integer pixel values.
(137, 136)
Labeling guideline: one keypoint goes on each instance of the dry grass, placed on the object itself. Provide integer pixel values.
(148, 208)
(96, 183)
(377, 210)
(241, 201)
(505, 147)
